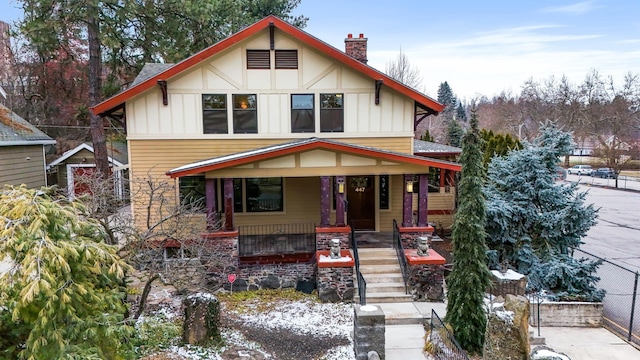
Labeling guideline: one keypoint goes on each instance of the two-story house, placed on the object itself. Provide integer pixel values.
(274, 126)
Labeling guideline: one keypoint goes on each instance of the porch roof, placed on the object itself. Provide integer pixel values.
(297, 146)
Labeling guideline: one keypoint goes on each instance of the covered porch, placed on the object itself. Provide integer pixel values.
(330, 185)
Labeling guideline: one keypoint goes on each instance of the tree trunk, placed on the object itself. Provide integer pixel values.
(95, 87)
(145, 293)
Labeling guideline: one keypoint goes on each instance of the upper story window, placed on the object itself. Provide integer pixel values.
(214, 114)
(245, 115)
(286, 59)
(258, 59)
(331, 113)
(302, 113)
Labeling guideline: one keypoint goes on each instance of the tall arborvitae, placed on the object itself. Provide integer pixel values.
(470, 276)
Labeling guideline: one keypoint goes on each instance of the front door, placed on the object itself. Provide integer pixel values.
(361, 210)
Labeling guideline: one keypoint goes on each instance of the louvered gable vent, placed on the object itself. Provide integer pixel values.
(286, 59)
(258, 59)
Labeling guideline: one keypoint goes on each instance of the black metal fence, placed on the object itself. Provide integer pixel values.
(276, 239)
(444, 344)
(402, 260)
(621, 306)
(362, 284)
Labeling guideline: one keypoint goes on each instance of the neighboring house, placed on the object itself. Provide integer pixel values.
(284, 129)
(81, 161)
(585, 147)
(22, 151)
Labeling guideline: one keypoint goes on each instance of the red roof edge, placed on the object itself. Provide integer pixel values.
(319, 143)
(121, 98)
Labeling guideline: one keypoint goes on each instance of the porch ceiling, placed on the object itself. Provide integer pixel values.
(311, 157)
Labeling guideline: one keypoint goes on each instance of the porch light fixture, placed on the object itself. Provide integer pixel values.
(340, 186)
(409, 186)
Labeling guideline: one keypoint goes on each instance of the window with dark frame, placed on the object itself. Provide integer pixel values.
(331, 113)
(237, 196)
(302, 113)
(245, 115)
(258, 59)
(214, 114)
(286, 59)
(264, 194)
(192, 193)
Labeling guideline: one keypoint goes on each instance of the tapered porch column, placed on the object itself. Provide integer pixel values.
(228, 204)
(407, 202)
(443, 174)
(210, 203)
(339, 200)
(325, 200)
(423, 198)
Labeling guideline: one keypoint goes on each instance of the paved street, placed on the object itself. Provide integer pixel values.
(616, 237)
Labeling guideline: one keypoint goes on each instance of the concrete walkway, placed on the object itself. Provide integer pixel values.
(404, 335)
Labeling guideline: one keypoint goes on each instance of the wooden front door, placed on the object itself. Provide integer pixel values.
(361, 209)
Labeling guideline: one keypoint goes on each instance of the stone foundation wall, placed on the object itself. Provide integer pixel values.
(219, 257)
(335, 284)
(323, 240)
(570, 314)
(410, 239)
(273, 276)
(426, 282)
(368, 332)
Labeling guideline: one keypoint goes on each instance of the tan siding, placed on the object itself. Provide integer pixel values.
(15, 169)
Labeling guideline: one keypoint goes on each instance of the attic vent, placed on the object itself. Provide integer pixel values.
(258, 59)
(286, 59)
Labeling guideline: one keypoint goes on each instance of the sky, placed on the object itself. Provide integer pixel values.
(480, 47)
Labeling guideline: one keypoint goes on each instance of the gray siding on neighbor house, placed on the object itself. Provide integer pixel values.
(15, 169)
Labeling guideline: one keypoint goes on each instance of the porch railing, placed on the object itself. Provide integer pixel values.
(402, 260)
(445, 345)
(362, 284)
(276, 239)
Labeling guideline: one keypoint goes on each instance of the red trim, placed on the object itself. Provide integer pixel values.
(432, 259)
(334, 229)
(220, 234)
(335, 264)
(247, 32)
(319, 143)
(416, 229)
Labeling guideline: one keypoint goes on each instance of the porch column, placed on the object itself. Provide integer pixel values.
(423, 198)
(325, 200)
(407, 202)
(339, 200)
(443, 174)
(210, 203)
(228, 204)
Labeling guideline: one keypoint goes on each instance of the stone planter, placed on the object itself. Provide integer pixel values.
(572, 314)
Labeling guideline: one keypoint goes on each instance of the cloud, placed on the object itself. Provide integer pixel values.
(575, 9)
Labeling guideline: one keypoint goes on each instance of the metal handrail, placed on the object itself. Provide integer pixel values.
(362, 284)
(402, 260)
(451, 350)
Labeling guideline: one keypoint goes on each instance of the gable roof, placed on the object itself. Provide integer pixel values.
(118, 153)
(139, 87)
(296, 146)
(15, 130)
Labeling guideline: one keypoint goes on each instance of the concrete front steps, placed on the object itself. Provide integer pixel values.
(381, 271)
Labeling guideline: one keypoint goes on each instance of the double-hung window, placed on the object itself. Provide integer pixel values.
(214, 114)
(245, 115)
(331, 113)
(302, 113)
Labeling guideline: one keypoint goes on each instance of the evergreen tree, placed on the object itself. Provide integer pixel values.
(470, 276)
(426, 136)
(454, 133)
(63, 297)
(461, 113)
(497, 144)
(533, 223)
(447, 98)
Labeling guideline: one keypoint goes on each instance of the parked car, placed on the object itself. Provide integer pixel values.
(580, 170)
(605, 173)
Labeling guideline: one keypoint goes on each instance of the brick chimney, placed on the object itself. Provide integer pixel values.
(356, 48)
